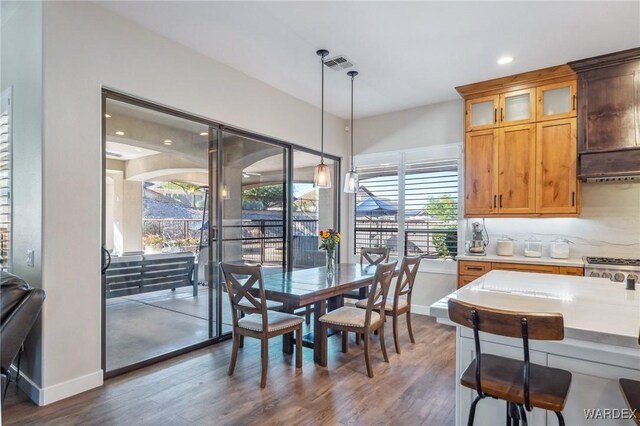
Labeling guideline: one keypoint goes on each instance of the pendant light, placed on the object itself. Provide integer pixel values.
(351, 178)
(322, 175)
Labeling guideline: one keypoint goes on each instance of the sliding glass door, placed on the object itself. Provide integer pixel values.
(180, 195)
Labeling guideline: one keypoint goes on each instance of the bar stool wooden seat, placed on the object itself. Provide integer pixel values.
(522, 384)
(631, 392)
(251, 317)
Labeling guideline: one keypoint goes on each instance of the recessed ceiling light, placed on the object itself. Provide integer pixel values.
(120, 133)
(168, 141)
(505, 60)
(107, 116)
(204, 134)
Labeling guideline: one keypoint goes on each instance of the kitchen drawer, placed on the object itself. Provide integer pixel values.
(524, 267)
(571, 270)
(475, 269)
(465, 279)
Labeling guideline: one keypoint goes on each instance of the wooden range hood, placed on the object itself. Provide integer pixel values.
(609, 116)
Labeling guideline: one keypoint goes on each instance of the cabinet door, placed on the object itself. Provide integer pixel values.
(557, 101)
(516, 177)
(557, 183)
(480, 172)
(524, 267)
(517, 107)
(481, 113)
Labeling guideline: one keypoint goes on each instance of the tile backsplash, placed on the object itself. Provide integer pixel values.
(608, 226)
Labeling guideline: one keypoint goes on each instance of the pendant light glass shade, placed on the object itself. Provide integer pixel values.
(322, 175)
(351, 182)
(351, 178)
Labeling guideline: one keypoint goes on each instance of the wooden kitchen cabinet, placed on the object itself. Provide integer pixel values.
(556, 172)
(524, 162)
(557, 100)
(517, 170)
(470, 270)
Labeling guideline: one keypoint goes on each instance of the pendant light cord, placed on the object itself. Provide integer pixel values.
(352, 166)
(322, 114)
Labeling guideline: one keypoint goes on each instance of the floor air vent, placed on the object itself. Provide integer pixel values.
(338, 63)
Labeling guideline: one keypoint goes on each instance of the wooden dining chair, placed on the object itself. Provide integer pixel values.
(369, 256)
(361, 321)
(251, 317)
(401, 304)
(631, 393)
(522, 384)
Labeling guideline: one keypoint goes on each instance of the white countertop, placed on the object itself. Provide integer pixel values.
(594, 309)
(523, 259)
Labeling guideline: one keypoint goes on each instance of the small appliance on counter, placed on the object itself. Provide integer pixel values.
(504, 246)
(615, 269)
(559, 248)
(532, 247)
(477, 245)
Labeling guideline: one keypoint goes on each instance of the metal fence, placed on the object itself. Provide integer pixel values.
(429, 239)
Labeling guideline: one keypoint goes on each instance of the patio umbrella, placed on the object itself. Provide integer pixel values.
(374, 206)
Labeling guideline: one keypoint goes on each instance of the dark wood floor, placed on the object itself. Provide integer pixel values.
(416, 387)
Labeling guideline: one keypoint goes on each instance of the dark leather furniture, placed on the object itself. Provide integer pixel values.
(20, 306)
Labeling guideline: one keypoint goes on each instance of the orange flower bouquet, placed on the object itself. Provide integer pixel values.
(330, 240)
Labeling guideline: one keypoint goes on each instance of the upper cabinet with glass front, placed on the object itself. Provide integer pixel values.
(558, 100)
(482, 113)
(518, 107)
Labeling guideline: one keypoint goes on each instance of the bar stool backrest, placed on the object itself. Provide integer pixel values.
(526, 325)
(373, 255)
(240, 280)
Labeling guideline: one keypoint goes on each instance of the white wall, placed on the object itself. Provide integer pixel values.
(21, 68)
(86, 48)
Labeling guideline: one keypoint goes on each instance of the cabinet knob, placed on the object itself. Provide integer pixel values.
(573, 199)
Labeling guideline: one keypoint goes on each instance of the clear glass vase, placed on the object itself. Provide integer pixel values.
(331, 262)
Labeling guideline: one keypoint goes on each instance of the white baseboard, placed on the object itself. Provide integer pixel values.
(51, 394)
(420, 309)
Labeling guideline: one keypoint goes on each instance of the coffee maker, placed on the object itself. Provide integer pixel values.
(478, 243)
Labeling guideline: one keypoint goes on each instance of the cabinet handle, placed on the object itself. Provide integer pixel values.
(495, 115)
(574, 103)
(494, 201)
(500, 200)
(501, 114)
(573, 199)
(474, 268)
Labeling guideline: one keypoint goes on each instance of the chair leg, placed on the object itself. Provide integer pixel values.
(264, 345)
(345, 342)
(357, 338)
(472, 411)
(409, 327)
(367, 354)
(307, 315)
(382, 346)
(523, 415)
(234, 353)
(299, 347)
(396, 339)
(560, 418)
(241, 342)
(324, 344)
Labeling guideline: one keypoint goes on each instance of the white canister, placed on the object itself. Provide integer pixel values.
(532, 247)
(559, 248)
(504, 246)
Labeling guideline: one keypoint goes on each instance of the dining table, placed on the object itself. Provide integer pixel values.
(319, 288)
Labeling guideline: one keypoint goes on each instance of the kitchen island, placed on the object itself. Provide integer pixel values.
(601, 326)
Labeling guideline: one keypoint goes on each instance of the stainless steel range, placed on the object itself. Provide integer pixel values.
(616, 269)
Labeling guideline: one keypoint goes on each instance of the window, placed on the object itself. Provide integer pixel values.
(410, 205)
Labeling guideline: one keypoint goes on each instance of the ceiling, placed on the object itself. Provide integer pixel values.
(408, 53)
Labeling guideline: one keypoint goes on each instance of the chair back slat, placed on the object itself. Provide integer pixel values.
(240, 281)
(380, 288)
(406, 278)
(541, 325)
(373, 255)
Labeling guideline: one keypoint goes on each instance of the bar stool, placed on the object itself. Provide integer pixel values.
(522, 384)
(631, 392)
